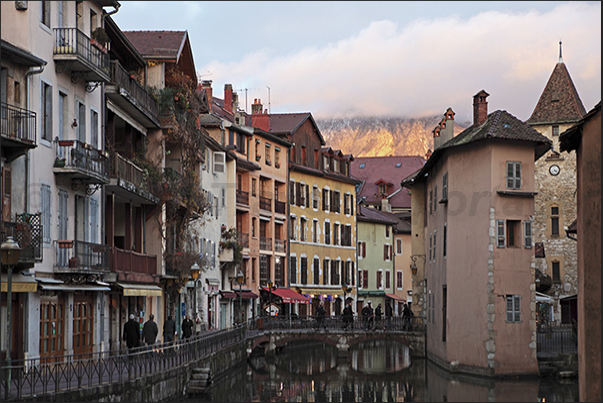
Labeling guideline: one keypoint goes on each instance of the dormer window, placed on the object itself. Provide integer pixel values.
(381, 189)
(398, 165)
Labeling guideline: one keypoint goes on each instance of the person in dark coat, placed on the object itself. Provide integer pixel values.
(169, 330)
(320, 314)
(388, 314)
(367, 315)
(407, 320)
(187, 327)
(378, 316)
(149, 331)
(131, 333)
(348, 315)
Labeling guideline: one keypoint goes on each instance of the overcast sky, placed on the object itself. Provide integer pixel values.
(402, 59)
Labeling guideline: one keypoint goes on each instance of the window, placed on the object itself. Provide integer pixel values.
(556, 271)
(361, 249)
(335, 234)
(325, 162)
(398, 246)
(445, 186)
(219, 160)
(513, 175)
(325, 200)
(400, 280)
(81, 122)
(500, 233)
(513, 308)
(257, 150)
(223, 197)
(335, 278)
(46, 102)
(388, 280)
(387, 231)
(302, 229)
(264, 268)
(346, 238)
(387, 252)
(304, 156)
(241, 140)
(315, 197)
(380, 279)
(267, 157)
(430, 201)
(326, 263)
(361, 166)
(527, 234)
(45, 198)
(316, 271)
(315, 231)
(45, 15)
(336, 202)
(555, 221)
(304, 270)
(94, 128)
(445, 240)
(435, 198)
(555, 130)
(444, 311)
(434, 245)
(277, 157)
(293, 269)
(327, 233)
(365, 278)
(292, 193)
(316, 159)
(253, 224)
(292, 228)
(430, 246)
(62, 115)
(253, 186)
(513, 233)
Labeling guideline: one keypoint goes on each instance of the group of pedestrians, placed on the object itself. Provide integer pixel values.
(135, 339)
(372, 319)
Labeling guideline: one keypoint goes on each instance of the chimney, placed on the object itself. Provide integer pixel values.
(480, 108)
(206, 85)
(228, 104)
(256, 107)
(259, 119)
(437, 139)
(385, 206)
(448, 129)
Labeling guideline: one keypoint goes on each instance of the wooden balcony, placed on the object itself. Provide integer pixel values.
(18, 130)
(81, 257)
(280, 207)
(81, 162)
(242, 197)
(74, 51)
(127, 261)
(265, 203)
(280, 245)
(127, 92)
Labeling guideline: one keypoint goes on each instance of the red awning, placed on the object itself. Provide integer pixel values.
(289, 296)
(244, 294)
(394, 296)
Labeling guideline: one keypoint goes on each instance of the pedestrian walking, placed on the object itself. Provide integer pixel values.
(131, 334)
(388, 314)
(187, 327)
(149, 331)
(367, 315)
(407, 319)
(378, 316)
(169, 330)
(320, 315)
(348, 316)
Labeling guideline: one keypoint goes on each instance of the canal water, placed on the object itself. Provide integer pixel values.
(377, 371)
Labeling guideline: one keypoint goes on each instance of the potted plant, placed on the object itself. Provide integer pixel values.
(99, 38)
(59, 162)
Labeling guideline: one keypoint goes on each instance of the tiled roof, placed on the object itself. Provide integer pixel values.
(160, 44)
(290, 122)
(385, 168)
(559, 102)
(369, 214)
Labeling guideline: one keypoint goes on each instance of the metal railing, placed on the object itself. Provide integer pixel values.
(265, 203)
(121, 77)
(243, 239)
(242, 197)
(80, 255)
(280, 245)
(557, 339)
(36, 377)
(84, 157)
(72, 41)
(134, 262)
(265, 243)
(337, 323)
(17, 123)
(280, 207)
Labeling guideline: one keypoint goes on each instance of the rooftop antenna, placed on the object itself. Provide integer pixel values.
(560, 58)
(268, 99)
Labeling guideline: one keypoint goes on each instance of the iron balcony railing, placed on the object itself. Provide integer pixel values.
(125, 169)
(74, 155)
(131, 86)
(127, 261)
(557, 339)
(265, 203)
(280, 245)
(265, 243)
(27, 232)
(243, 239)
(242, 197)
(73, 255)
(17, 123)
(280, 207)
(71, 42)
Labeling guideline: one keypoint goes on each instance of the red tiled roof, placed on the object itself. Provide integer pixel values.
(160, 44)
(385, 168)
(559, 102)
(287, 122)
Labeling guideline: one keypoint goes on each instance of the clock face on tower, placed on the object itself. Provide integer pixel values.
(554, 170)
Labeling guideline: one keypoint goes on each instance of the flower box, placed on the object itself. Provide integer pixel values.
(65, 244)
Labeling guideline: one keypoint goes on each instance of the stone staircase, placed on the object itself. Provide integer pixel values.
(200, 380)
(558, 365)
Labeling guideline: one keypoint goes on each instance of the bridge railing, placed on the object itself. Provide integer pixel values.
(336, 323)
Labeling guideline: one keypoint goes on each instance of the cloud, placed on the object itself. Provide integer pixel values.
(423, 68)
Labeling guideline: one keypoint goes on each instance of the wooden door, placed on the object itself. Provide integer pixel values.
(52, 327)
(83, 325)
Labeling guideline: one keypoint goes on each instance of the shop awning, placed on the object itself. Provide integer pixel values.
(73, 287)
(321, 291)
(140, 290)
(543, 298)
(375, 293)
(396, 297)
(244, 294)
(289, 296)
(19, 283)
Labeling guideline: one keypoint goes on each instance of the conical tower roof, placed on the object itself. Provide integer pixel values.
(559, 102)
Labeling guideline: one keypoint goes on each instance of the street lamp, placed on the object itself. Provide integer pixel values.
(270, 284)
(240, 280)
(413, 265)
(10, 257)
(195, 271)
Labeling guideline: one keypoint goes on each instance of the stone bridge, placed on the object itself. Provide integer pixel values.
(269, 341)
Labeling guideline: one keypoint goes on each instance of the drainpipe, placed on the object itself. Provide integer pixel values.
(29, 73)
(116, 7)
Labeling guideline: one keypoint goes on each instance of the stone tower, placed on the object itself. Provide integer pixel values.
(558, 108)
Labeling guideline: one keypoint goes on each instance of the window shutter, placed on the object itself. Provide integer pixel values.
(324, 199)
(352, 204)
(385, 254)
(307, 196)
(500, 225)
(298, 193)
(391, 252)
(363, 249)
(510, 178)
(325, 272)
(517, 308)
(527, 234)
(292, 193)
(517, 175)
(331, 201)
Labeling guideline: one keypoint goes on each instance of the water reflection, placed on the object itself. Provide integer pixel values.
(376, 371)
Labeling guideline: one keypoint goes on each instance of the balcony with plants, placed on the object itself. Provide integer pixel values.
(74, 256)
(81, 162)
